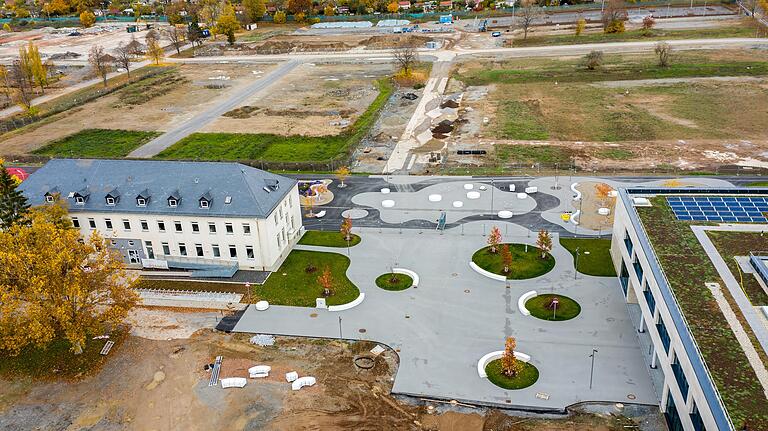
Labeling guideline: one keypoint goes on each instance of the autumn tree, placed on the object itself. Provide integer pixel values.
(329, 10)
(155, 51)
(123, 57)
(54, 284)
(581, 24)
(87, 19)
(393, 7)
(648, 23)
(544, 242)
(510, 365)
(299, 6)
(228, 24)
(176, 36)
(55, 7)
(506, 258)
(614, 15)
(342, 174)
(325, 280)
(100, 61)
(279, 17)
(494, 239)
(37, 69)
(254, 9)
(13, 204)
(21, 81)
(663, 51)
(346, 228)
(194, 33)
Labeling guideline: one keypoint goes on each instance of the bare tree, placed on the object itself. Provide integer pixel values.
(123, 57)
(22, 83)
(593, 60)
(663, 51)
(615, 11)
(406, 56)
(177, 36)
(527, 16)
(101, 62)
(135, 47)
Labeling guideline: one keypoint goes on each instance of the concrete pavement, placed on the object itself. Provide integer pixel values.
(202, 119)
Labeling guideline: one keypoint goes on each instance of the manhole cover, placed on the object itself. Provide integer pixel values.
(556, 187)
(362, 330)
(313, 315)
(466, 290)
(407, 316)
(631, 396)
(455, 274)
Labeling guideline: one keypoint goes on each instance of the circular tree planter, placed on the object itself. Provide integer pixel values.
(527, 376)
(525, 265)
(542, 306)
(394, 281)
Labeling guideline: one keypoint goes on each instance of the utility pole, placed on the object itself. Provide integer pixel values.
(592, 370)
(340, 337)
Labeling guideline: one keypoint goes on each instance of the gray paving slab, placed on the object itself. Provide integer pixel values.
(443, 327)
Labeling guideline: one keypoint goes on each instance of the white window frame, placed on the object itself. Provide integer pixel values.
(111, 201)
(141, 202)
(173, 203)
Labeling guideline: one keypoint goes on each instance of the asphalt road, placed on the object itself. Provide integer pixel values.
(202, 119)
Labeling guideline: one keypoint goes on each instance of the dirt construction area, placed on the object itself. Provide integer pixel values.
(149, 105)
(312, 100)
(157, 381)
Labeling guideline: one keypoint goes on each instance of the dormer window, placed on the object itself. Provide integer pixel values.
(81, 196)
(110, 201)
(203, 203)
(141, 202)
(205, 200)
(173, 203)
(142, 198)
(79, 200)
(49, 199)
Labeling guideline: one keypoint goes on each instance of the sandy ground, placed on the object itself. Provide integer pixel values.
(159, 113)
(156, 384)
(313, 100)
(590, 203)
(56, 41)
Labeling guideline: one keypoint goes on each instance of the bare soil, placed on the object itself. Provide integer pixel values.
(313, 100)
(197, 91)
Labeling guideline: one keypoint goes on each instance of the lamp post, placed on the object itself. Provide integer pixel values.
(576, 264)
(591, 371)
(248, 291)
(340, 337)
(555, 301)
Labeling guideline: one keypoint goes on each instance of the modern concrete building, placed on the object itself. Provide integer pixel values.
(215, 217)
(671, 286)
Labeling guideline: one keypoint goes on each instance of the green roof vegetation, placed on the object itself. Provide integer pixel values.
(687, 267)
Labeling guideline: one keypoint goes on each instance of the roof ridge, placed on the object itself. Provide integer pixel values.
(250, 189)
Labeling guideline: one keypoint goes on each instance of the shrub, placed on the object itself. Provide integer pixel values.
(279, 17)
(593, 60)
(581, 24)
(616, 26)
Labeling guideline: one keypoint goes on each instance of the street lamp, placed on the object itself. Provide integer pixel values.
(340, 337)
(576, 265)
(592, 370)
(248, 290)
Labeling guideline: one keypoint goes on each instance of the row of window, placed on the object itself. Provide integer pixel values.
(177, 226)
(199, 250)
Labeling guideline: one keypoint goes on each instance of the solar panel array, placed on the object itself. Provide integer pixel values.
(734, 209)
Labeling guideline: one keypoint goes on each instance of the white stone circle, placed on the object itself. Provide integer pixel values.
(355, 213)
(522, 195)
(385, 190)
(473, 195)
(468, 186)
(435, 198)
(505, 214)
(388, 203)
(262, 305)
(458, 204)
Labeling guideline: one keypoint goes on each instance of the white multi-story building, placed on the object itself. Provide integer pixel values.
(684, 376)
(192, 215)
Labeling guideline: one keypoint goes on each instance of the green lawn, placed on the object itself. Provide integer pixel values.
(524, 264)
(567, 308)
(56, 360)
(327, 239)
(98, 143)
(293, 284)
(279, 148)
(656, 34)
(598, 262)
(615, 68)
(758, 184)
(394, 282)
(526, 377)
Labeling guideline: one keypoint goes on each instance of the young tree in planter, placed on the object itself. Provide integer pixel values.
(581, 24)
(325, 280)
(510, 366)
(346, 228)
(506, 258)
(342, 174)
(494, 239)
(13, 204)
(544, 242)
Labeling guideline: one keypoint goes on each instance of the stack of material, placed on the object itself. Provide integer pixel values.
(263, 340)
(303, 381)
(259, 371)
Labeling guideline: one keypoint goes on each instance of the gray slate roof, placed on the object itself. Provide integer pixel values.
(246, 186)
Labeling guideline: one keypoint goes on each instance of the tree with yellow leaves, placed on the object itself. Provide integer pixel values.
(54, 284)
(510, 365)
(228, 24)
(393, 7)
(87, 19)
(342, 174)
(154, 51)
(346, 229)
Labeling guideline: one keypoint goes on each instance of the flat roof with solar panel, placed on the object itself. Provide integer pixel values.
(725, 209)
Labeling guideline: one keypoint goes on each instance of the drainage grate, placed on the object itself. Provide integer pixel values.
(107, 347)
(215, 373)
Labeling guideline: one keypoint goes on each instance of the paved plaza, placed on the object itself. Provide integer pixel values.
(455, 316)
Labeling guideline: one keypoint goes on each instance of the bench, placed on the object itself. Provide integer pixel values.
(523, 299)
(303, 381)
(259, 371)
(233, 382)
(291, 376)
(348, 305)
(409, 273)
(485, 273)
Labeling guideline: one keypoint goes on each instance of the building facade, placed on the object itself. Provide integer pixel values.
(688, 397)
(185, 215)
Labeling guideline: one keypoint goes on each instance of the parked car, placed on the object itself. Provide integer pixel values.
(496, 34)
